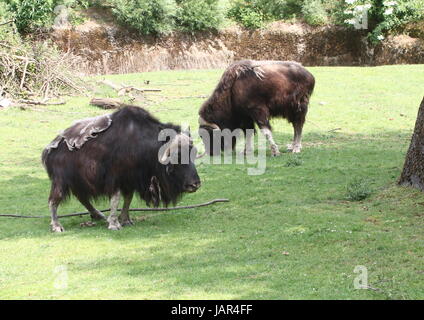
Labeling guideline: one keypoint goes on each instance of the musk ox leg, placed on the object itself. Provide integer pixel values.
(124, 217)
(56, 196)
(249, 134)
(94, 213)
(296, 146)
(55, 224)
(248, 147)
(261, 117)
(274, 148)
(113, 219)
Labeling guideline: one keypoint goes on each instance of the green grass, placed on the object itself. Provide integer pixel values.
(235, 250)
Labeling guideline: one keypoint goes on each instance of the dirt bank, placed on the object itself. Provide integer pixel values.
(107, 48)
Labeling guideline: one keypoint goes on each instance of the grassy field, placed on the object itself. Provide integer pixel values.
(290, 233)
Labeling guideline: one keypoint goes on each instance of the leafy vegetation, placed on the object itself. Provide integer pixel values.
(164, 16)
(30, 14)
(382, 16)
(146, 16)
(358, 189)
(314, 13)
(248, 14)
(194, 15)
(287, 234)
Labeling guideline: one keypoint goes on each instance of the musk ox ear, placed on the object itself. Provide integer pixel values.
(155, 191)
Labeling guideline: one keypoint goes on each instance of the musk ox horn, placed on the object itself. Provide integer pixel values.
(203, 122)
(179, 139)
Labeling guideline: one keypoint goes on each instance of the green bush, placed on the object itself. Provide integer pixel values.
(195, 15)
(314, 12)
(358, 189)
(384, 16)
(31, 15)
(146, 16)
(7, 31)
(247, 13)
(254, 13)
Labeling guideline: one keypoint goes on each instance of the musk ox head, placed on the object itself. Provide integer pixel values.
(178, 157)
(214, 139)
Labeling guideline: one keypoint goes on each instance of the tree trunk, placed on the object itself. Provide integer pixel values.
(413, 169)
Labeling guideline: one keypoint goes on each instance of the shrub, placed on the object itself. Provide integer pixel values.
(195, 15)
(358, 189)
(314, 12)
(247, 13)
(383, 16)
(31, 15)
(146, 16)
(7, 31)
(253, 13)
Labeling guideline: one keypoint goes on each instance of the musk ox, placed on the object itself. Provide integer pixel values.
(252, 92)
(118, 154)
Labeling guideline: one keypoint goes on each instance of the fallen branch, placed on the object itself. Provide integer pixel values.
(106, 103)
(107, 210)
(41, 103)
(24, 74)
(7, 22)
(126, 89)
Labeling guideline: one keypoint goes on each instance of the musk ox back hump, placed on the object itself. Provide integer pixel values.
(80, 132)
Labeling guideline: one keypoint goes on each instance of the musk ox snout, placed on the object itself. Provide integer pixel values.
(216, 140)
(192, 186)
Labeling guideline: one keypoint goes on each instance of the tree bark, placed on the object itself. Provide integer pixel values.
(413, 169)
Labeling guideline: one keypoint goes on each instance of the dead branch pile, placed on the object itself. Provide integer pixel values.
(37, 72)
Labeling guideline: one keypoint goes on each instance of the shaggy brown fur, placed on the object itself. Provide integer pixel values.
(122, 159)
(252, 92)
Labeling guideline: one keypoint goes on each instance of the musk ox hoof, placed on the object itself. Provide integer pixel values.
(115, 226)
(274, 151)
(127, 223)
(57, 228)
(294, 148)
(97, 215)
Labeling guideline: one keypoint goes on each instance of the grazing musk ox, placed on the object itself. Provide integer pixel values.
(252, 92)
(118, 154)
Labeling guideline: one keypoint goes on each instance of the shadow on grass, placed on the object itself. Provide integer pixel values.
(329, 160)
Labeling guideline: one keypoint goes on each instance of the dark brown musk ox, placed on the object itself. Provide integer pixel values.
(252, 92)
(116, 154)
